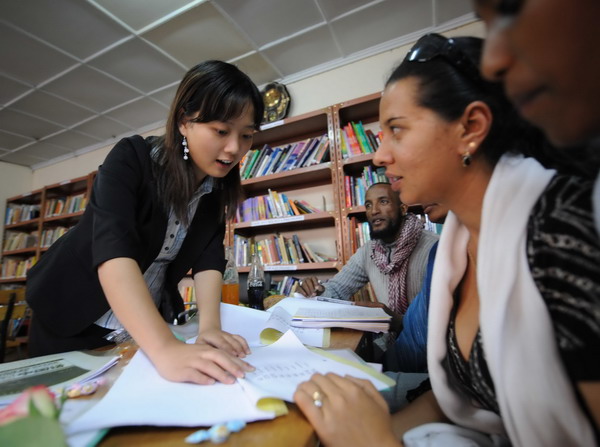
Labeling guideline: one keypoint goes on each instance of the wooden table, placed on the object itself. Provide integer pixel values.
(291, 430)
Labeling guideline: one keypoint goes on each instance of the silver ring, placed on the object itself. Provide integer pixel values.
(300, 283)
(317, 399)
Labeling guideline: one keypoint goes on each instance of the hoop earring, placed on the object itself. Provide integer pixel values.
(186, 151)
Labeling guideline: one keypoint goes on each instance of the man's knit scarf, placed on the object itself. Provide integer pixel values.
(396, 265)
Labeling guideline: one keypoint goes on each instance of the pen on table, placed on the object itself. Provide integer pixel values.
(334, 300)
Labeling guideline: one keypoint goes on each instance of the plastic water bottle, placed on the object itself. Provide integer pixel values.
(256, 282)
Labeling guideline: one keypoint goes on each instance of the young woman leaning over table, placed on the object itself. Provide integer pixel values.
(157, 210)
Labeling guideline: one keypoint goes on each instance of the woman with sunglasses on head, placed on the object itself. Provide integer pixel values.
(157, 210)
(513, 322)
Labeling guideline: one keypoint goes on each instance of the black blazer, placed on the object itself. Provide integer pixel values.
(124, 218)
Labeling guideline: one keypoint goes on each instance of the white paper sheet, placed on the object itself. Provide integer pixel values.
(252, 324)
(282, 366)
(142, 397)
(281, 321)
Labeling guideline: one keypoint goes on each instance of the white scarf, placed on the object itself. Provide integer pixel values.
(535, 397)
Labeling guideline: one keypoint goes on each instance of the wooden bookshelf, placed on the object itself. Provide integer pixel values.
(363, 110)
(55, 206)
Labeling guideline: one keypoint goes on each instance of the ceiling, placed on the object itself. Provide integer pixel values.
(75, 75)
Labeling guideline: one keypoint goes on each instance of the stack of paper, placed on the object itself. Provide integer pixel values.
(142, 397)
(373, 319)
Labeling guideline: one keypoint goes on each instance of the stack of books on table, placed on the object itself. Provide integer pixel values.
(372, 319)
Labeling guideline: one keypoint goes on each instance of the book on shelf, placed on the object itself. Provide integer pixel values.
(298, 248)
(271, 206)
(282, 159)
(353, 148)
(16, 267)
(372, 319)
(291, 161)
(268, 160)
(16, 213)
(322, 152)
(276, 249)
(187, 294)
(51, 235)
(18, 240)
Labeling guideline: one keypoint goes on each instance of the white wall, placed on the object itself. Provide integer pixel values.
(14, 180)
(332, 87)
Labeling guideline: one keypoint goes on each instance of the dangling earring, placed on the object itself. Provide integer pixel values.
(466, 158)
(186, 151)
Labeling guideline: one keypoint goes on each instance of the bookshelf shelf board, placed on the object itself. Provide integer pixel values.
(25, 224)
(12, 279)
(316, 174)
(68, 187)
(358, 209)
(358, 160)
(65, 217)
(297, 267)
(301, 221)
(26, 198)
(20, 251)
(365, 108)
(292, 129)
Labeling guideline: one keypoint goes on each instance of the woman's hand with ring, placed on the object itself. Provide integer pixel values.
(345, 411)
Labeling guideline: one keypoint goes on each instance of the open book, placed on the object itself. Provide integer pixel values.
(141, 397)
(56, 371)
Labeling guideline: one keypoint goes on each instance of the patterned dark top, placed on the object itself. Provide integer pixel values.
(563, 249)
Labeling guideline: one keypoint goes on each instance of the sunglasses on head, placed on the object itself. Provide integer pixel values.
(432, 45)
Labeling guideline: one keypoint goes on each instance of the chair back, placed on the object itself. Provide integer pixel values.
(12, 306)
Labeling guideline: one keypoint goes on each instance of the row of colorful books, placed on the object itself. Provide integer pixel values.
(356, 140)
(16, 213)
(51, 235)
(18, 240)
(276, 250)
(268, 160)
(360, 233)
(287, 286)
(16, 268)
(271, 206)
(188, 295)
(65, 205)
(356, 187)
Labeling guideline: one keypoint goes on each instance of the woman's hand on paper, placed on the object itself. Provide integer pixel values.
(199, 363)
(233, 344)
(345, 411)
(310, 287)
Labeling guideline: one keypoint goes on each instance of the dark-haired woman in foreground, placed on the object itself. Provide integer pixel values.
(513, 320)
(157, 210)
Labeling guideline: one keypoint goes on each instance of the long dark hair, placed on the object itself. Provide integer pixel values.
(447, 89)
(217, 91)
